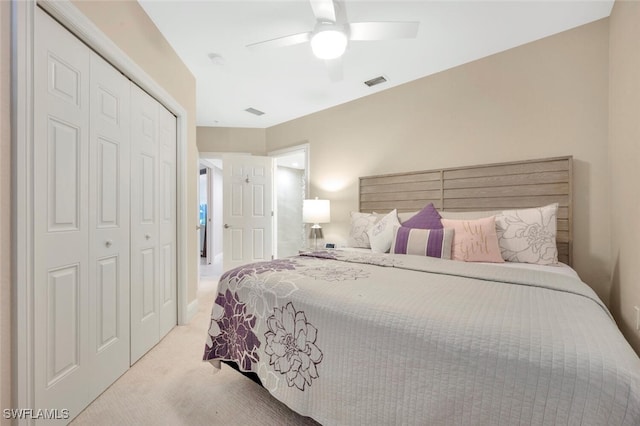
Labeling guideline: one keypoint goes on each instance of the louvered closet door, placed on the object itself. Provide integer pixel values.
(109, 224)
(61, 218)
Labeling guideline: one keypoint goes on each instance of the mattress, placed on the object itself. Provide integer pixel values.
(350, 337)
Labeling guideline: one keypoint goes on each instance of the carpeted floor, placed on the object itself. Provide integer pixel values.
(171, 385)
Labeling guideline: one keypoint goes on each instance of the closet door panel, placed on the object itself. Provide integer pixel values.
(145, 256)
(61, 225)
(168, 277)
(109, 224)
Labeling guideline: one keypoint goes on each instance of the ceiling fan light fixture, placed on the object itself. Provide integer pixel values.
(329, 43)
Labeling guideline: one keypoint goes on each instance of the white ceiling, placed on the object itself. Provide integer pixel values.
(290, 82)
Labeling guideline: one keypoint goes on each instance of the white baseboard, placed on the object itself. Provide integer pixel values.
(192, 310)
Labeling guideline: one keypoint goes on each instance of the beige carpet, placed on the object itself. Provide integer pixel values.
(170, 385)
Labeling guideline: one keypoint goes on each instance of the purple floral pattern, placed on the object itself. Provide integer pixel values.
(231, 335)
(291, 346)
(241, 272)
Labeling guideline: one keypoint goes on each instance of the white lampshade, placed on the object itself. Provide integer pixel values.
(316, 211)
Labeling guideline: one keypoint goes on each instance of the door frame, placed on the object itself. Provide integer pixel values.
(209, 165)
(284, 152)
(303, 147)
(22, 110)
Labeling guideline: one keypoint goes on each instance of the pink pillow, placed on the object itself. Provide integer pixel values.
(475, 240)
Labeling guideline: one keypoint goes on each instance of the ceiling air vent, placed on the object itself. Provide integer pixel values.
(375, 81)
(254, 111)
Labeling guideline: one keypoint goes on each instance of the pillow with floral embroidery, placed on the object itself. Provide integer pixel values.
(381, 234)
(360, 223)
(528, 235)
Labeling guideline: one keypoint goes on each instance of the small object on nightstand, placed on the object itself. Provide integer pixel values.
(330, 245)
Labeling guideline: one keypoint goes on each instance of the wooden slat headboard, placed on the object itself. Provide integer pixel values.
(513, 185)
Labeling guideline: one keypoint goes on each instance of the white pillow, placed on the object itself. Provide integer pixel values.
(468, 215)
(360, 223)
(381, 234)
(528, 235)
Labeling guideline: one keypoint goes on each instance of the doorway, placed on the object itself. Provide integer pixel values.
(292, 177)
(210, 218)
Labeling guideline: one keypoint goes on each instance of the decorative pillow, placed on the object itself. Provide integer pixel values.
(381, 234)
(423, 242)
(528, 235)
(468, 215)
(360, 223)
(427, 218)
(475, 240)
(405, 216)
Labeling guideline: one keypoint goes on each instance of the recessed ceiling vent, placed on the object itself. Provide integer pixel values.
(254, 111)
(375, 81)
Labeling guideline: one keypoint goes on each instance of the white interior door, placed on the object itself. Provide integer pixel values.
(248, 209)
(145, 297)
(61, 218)
(109, 148)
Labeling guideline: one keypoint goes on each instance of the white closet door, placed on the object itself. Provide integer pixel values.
(109, 224)
(168, 273)
(61, 218)
(145, 295)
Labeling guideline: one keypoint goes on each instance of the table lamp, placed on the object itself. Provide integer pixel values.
(316, 212)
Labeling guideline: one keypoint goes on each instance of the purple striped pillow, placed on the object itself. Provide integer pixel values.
(423, 242)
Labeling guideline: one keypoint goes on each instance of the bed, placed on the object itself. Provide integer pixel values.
(357, 337)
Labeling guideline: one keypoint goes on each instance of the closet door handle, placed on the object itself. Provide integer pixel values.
(147, 236)
(108, 243)
(226, 226)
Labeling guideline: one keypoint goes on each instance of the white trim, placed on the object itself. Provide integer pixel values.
(22, 19)
(192, 309)
(23, 29)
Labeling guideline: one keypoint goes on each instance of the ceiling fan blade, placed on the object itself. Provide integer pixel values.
(382, 30)
(289, 40)
(334, 68)
(324, 10)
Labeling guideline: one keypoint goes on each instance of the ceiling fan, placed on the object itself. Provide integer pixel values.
(332, 33)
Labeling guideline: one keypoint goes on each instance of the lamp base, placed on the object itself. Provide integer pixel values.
(316, 232)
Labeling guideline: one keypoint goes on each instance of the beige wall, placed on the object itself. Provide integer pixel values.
(232, 139)
(5, 209)
(547, 98)
(624, 160)
(126, 23)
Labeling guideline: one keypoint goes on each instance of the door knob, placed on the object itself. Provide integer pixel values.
(226, 226)
(147, 236)
(108, 243)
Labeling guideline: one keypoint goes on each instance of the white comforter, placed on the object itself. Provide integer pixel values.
(395, 339)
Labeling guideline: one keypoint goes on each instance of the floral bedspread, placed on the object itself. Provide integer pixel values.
(361, 338)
